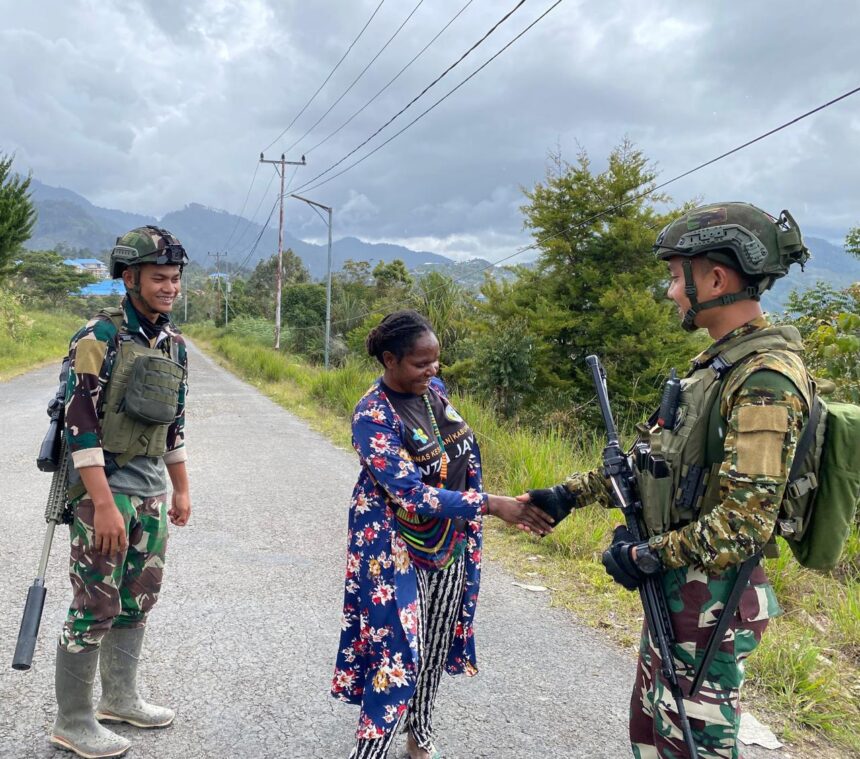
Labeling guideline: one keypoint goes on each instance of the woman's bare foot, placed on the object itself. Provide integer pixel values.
(414, 750)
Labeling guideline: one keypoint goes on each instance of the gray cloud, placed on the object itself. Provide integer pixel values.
(148, 106)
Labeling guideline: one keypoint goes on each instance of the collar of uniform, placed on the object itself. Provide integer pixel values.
(153, 334)
(708, 355)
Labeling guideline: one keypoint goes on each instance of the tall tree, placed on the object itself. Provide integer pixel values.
(42, 277)
(596, 287)
(852, 241)
(261, 284)
(17, 214)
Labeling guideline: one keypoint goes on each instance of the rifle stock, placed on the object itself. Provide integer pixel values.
(617, 468)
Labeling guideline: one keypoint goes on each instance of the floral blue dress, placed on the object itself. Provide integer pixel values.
(377, 660)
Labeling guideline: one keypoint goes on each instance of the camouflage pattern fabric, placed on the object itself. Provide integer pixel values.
(695, 599)
(765, 413)
(93, 352)
(117, 590)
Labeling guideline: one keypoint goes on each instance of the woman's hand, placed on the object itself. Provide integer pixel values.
(523, 515)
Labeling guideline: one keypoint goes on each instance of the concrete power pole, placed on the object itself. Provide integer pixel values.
(280, 167)
(218, 255)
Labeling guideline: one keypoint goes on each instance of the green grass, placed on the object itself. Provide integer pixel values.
(806, 674)
(44, 339)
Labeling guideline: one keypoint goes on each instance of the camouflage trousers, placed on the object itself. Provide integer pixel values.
(117, 590)
(695, 600)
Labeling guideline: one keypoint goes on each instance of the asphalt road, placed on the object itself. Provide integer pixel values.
(243, 639)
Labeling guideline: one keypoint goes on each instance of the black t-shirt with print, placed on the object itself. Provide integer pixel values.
(420, 440)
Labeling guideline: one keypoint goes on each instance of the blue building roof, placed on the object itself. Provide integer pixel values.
(84, 262)
(105, 287)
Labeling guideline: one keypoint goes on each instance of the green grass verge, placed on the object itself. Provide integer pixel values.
(44, 339)
(805, 677)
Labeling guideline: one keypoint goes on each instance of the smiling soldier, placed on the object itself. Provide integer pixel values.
(125, 417)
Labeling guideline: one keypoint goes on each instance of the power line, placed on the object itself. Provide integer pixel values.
(245, 203)
(259, 236)
(249, 222)
(361, 74)
(420, 94)
(331, 73)
(639, 196)
(394, 79)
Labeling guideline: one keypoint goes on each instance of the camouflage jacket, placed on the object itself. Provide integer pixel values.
(92, 353)
(756, 461)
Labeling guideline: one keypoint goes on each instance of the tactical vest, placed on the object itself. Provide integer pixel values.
(141, 399)
(677, 470)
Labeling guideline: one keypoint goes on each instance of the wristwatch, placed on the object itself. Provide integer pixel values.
(647, 559)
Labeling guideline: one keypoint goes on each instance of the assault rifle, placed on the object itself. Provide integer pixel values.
(617, 468)
(51, 458)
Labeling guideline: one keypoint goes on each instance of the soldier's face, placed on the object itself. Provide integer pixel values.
(413, 372)
(704, 285)
(675, 292)
(160, 286)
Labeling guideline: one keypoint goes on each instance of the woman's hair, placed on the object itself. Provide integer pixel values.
(396, 333)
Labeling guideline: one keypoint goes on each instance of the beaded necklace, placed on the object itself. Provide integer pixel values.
(443, 469)
(432, 542)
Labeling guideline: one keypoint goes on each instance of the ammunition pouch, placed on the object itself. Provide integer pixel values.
(153, 390)
(141, 400)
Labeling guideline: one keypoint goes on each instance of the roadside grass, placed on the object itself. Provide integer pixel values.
(805, 675)
(44, 338)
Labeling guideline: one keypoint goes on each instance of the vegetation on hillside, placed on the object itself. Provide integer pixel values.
(514, 353)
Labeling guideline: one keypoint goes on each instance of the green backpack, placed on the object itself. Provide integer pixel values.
(823, 490)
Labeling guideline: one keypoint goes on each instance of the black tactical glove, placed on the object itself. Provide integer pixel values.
(619, 563)
(556, 501)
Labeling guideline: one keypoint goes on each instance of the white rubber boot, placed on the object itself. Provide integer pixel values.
(121, 701)
(76, 728)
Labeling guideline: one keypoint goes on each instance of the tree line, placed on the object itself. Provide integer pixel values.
(518, 341)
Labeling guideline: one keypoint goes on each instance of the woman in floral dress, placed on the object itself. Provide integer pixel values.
(414, 543)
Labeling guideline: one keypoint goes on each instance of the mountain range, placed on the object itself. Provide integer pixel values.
(66, 217)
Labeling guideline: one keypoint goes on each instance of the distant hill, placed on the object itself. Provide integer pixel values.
(68, 218)
(827, 262)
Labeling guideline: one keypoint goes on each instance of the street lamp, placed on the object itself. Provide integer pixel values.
(315, 205)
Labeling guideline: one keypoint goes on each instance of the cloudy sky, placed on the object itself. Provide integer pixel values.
(146, 106)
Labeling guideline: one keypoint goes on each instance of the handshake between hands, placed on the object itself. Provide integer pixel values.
(536, 511)
(627, 561)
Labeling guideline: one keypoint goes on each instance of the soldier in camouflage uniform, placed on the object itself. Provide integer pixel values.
(124, 426)
(714, 476)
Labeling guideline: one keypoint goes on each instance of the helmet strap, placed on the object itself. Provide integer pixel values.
(750, 292)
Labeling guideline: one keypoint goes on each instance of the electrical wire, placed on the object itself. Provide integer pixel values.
(245, 203)
(600, 214)
(354, 81)
(419, 95)
(331, 73)
(394, 79)
(259, 237)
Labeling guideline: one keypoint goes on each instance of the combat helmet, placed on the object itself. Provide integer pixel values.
(738, 235)
(146, 245)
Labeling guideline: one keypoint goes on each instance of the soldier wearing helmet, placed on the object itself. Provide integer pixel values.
(712, 475)
(124, 429)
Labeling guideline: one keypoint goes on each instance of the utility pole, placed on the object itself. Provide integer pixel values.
(313, 204)
(282, 163)
(218, 256)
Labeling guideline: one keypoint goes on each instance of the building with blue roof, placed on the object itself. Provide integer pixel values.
(105, 287)
(88, 266)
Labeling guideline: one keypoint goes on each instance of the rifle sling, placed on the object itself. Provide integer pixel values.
(723, 620)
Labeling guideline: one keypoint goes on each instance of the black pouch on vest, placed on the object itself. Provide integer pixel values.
(152, 394)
